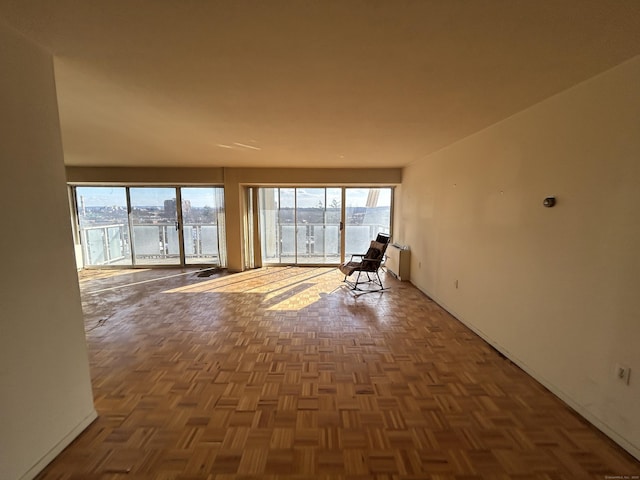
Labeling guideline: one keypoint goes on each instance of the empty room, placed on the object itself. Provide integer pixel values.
(352, 239)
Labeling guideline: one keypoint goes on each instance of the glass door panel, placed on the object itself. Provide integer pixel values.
(300, 225)
(268, 220)
(286, 206)
(318, 241)
(202, 208)
(277, 219)
(154, 223)
(248, 246)
(104, 225)
(332, 230)
(367, 213)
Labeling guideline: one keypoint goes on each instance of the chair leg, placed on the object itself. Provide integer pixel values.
(355, 285)
(372, 278)
(379, 280)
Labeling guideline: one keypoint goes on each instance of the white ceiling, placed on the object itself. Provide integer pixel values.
(307, 83)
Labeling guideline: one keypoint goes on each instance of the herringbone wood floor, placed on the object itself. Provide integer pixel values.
(281, 373)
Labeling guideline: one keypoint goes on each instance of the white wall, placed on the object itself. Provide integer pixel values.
(46, 397)
(555, 289)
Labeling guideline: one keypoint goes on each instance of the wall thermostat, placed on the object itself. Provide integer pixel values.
(549, 202)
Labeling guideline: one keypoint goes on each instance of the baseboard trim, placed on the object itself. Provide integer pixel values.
(625, 444)
(59, 447)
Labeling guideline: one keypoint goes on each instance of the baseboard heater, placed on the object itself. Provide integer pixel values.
(398, 261)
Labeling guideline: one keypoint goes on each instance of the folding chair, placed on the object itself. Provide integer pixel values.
(367, 278)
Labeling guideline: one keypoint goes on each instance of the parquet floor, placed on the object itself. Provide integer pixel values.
(280, 373)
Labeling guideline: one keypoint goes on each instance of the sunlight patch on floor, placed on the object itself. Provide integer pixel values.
(282, 288)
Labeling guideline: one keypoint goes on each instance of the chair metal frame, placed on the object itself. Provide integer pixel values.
(370, 269)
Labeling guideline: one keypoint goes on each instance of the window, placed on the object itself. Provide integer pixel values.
(303, 225)
(135, 226)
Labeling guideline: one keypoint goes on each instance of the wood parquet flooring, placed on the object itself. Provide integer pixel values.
(280, 373)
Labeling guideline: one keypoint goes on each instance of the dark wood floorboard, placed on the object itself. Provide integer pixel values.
(281, 373)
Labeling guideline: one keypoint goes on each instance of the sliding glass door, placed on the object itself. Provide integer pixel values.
(104, 225)
(202, 224)
(149, 226)
(154, 223)
(367, 213)
(317, 232)
(299, 225)
(303, 226)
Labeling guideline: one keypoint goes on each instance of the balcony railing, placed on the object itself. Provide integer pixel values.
(159, 243)
(110, 244)
(106, 245)
(316, 243)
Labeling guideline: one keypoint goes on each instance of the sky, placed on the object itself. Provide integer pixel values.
(310, 197)
(144, 196)
(204, 196)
